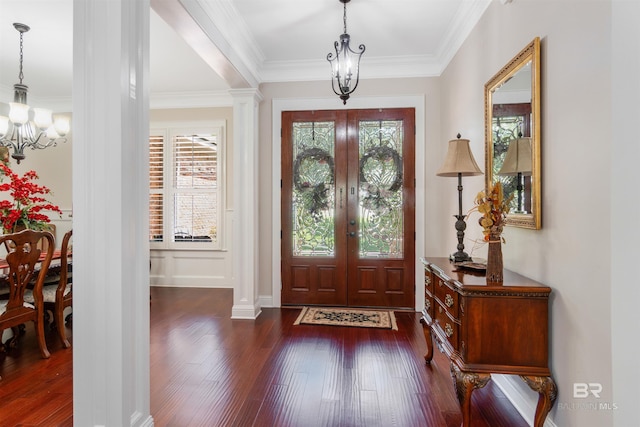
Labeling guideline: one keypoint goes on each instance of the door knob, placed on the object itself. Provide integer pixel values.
(352, 222)
(352, 234)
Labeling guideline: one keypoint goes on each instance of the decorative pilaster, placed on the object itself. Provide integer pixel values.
(245, 203)
(110, 213)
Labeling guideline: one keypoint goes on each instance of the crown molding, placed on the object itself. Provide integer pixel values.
(465, 20)
(165, 100)
(370, 68)
(57, 104)
(158, 100)
(224, 27)
(229, 22)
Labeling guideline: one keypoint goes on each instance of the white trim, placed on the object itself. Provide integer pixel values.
(246, 208)
(266, 301)
(166, 100)
(370, 68)
(523, 404)
(408, 101)
(110, 194)
(169, 130)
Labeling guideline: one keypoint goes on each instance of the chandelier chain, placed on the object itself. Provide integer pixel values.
(344, 17)
(21, 74)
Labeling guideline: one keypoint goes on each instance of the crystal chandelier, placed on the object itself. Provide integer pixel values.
(345, 64)
(25, 126)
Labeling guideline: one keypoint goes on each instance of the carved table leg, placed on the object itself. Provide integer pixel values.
(465, 383)
(427, 336)
(547, 390)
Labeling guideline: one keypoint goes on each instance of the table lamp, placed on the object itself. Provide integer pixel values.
(458, 163)
(517, 162)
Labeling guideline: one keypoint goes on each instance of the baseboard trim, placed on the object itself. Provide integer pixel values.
(136, 420)
(248, 312)
(523, 403)
(266, 301)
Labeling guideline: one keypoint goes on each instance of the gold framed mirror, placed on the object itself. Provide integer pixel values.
(512, 135)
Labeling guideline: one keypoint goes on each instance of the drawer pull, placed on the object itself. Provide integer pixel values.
(427, 280)
(440, 283)
(427, 304)
(448, 300)
(448, 330)
(440, 309)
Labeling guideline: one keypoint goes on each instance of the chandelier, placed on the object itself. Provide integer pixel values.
(25, 126)
(345, 64)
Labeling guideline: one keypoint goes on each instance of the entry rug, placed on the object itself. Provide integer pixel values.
(384, 319)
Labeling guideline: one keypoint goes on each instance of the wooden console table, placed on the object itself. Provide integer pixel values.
(488, 329)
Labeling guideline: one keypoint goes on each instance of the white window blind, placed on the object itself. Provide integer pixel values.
(195, 161)
(156, 187)
(185, 194)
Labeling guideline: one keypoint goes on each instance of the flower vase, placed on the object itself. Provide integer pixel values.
(494, 261)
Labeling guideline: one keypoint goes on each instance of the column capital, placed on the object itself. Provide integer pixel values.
(245, 93)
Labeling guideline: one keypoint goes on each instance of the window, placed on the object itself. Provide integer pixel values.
(185, 194)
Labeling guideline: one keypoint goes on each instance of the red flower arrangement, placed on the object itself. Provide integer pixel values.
(28, 202)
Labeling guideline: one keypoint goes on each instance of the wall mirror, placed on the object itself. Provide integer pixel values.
(512, 135)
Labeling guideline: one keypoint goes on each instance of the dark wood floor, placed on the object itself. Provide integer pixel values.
(209, 370)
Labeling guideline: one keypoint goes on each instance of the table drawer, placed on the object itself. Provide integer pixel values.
(428, 280)
(448, 325)
(429, 305)
(447, 296)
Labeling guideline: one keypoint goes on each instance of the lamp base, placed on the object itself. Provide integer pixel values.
(460, 257)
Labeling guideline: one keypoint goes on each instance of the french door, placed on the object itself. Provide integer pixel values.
(348, 208)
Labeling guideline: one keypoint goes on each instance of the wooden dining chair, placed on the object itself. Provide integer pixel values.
(58, 297)
(56, 294)
(24, 264)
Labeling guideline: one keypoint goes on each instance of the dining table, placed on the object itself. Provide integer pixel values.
(52, 272)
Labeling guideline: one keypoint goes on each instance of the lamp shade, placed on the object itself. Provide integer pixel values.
(518, 158)
(18, 113)
(459, 160)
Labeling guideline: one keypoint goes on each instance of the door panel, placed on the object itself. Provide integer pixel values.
(380, 261)
(348, 208)
(313, 254)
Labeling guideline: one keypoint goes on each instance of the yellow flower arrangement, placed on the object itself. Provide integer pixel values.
(494, 208)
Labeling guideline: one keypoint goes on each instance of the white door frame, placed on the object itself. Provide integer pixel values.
(408, 101)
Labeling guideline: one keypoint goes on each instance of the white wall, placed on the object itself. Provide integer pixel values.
(199, 268)
(625, 152)
(571, 253)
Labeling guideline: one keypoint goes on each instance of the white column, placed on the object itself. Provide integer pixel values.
(245, 196)
(110, 213)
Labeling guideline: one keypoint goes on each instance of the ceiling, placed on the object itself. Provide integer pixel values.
(258, 41)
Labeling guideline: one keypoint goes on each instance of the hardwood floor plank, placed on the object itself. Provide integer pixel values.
(210, 370)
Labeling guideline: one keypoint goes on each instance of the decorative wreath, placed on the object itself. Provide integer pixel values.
(314, 195)
(317, 154)
(383, 153)
(375, 197)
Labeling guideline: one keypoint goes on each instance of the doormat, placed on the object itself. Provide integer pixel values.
(363, 318)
